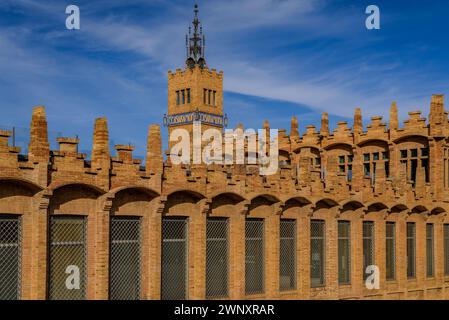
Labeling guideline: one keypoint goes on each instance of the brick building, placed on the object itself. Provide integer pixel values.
(339, 202)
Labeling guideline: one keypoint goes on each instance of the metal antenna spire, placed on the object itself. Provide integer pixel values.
(195, 42)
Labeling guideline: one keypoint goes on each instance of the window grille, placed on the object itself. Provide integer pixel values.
(429, 250)
(10, 257)
(174, 258)
(125, 258)
(344, 252)
(368, 246)
(411, 249)
(254, 256)
(390, 250)
(317, 252)
(446, 249)
(287, 251)
(68, 252)
(217, 258)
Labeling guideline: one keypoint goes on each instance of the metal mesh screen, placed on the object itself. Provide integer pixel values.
(368, 246)
(317, 252)
(10, 257)
(446, 248)
(67, 249)
(125, 258)
(254, 256)
(344, 252)
(174, 259)
(429, 250)
(287, 251)
(390, 250)
(411, 249)
(217, 258)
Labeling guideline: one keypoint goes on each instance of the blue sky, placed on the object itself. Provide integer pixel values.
(280, 58)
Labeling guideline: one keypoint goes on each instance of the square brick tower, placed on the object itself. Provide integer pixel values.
(195, 93)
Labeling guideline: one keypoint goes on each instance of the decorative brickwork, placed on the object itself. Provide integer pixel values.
(379, 174)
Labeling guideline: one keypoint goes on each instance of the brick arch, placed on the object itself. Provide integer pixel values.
(437, 210)
(226, 198)
(57, 186)
(325, 203)
(226, 204)
(365, 142)
(374, 145)
(233, 195)
(74, 198)
(398, 208)
(351, 205)
(133, 201)
(28, 184)
(297, 201)
(16, 195)
(194, 194)
(412, 138)
(419, 209)
(311, 146)
(263, 203)
(376, 207)
(294, 206)
(339, 146)
(183, 202)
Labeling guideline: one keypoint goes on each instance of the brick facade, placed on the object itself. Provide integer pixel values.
(381, 173)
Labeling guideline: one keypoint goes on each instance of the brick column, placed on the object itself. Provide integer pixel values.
(357, 271)
(304, 253)
(401, 251)
(331, 254)
(237, 252)
(102, 247)
(154, 225)
(198, 291)
(39, 240)
(272, 246)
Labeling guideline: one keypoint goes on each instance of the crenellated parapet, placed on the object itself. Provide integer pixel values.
(388, 163)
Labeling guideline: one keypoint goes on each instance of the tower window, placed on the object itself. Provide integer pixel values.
(178, 100)
(188, 95)
(209, 96)
(183, 92)
(213, 98)
(205, 96)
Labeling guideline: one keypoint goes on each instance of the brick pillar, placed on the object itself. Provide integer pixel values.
(439, 250)
(357, 266)
(198, 291)
(102, 247)
(304, 253)
(272, 244)
(39, 148)
(154, 159)
(380, 249)
(357, 170)
(401, 250)
(237, 252)
(155, 251)
(38, 253)
(331, 249)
